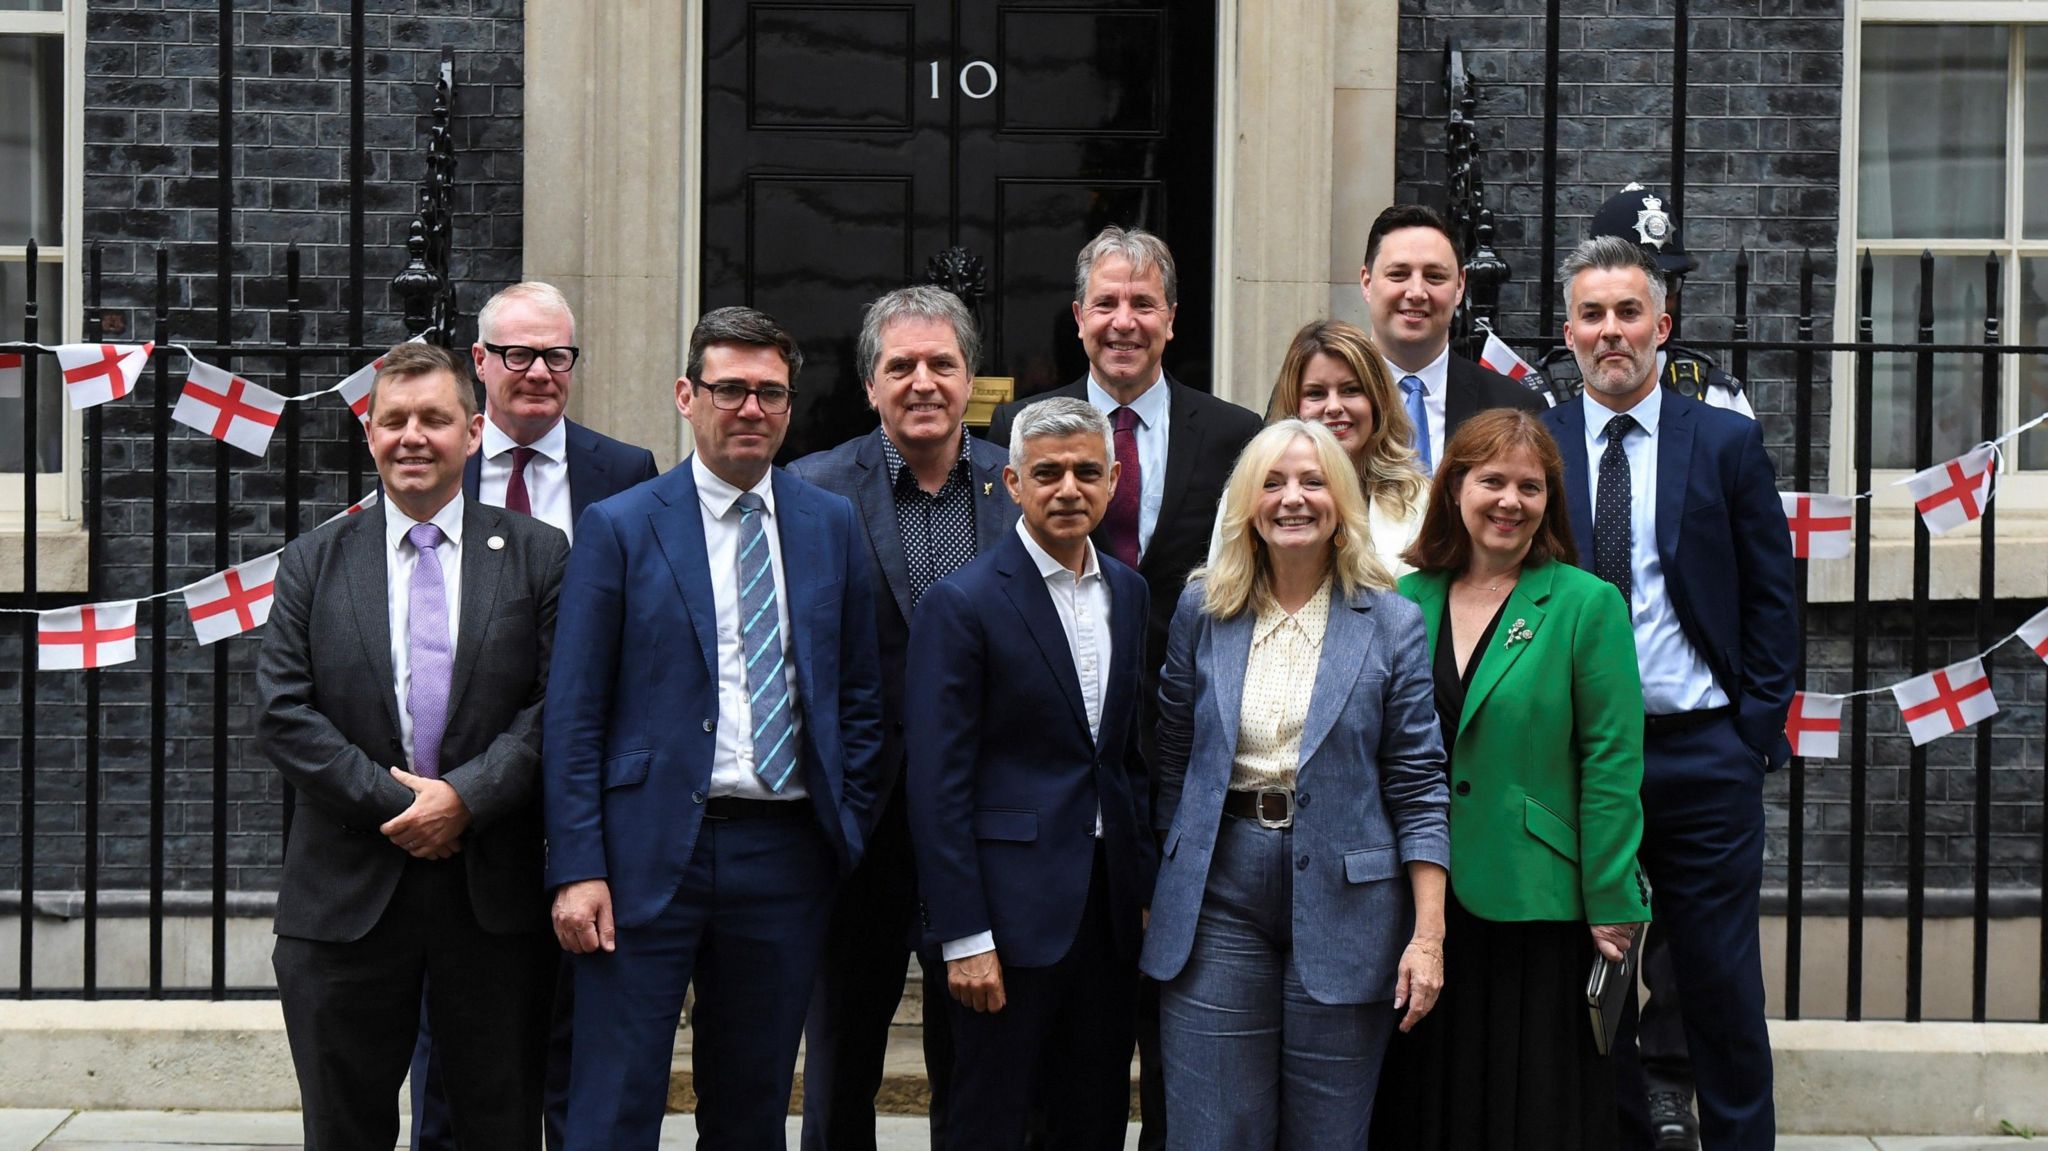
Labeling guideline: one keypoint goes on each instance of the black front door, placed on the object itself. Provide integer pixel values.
(847, 143)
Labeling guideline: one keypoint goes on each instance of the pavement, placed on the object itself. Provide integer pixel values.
(264, 1130)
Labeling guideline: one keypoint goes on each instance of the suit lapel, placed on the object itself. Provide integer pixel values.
(1346, 639)
(587, 468)
(1231, 640)
(483, 569)
(878, 512)
(473, 475)
(1429, 590)
(1460, 401)
(992, 518)
(797, 531)
(1027, 593)
(1674, 467)
(369, 597)
(1571, 443)
(1524, 611)
(679, 529)
(1184, 433)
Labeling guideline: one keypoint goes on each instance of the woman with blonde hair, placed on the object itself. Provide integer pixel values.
(1334, 375)
(1298, 915)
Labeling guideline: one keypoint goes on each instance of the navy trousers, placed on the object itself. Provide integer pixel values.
(1703, 847)
(747, 925)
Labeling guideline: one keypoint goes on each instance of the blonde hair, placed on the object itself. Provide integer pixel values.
(1239, 576)
(1388, 465)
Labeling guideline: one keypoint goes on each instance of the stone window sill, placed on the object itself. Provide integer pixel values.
(2021, 558)
(60, 556)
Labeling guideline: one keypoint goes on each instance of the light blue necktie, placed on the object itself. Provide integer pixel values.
(761, 646)
(1418, 414)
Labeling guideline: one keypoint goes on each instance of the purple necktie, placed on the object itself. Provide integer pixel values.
(431, 652)
(1120, 521)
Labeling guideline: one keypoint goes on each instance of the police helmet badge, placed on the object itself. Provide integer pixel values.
(1652, 224)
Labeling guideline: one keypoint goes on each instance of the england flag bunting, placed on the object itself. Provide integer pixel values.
(1820, 524)
(1952, 494)
(95, 374)
(1814, 725)
(1945, 701)
(368, 501)
(234, 601)
(229, 408)
(2034, 633)
(95, 635)
(10, 375)
(355, 390)
(1497, 357)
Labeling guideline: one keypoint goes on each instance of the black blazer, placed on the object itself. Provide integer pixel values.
(1470, 389)
(329, 720)
(1203, 437)
(599, 467)
(856, 470)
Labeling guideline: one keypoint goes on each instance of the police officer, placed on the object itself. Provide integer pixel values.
(1637, 214)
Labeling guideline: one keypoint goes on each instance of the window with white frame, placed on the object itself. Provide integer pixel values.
(1952, 158)
(38, 185)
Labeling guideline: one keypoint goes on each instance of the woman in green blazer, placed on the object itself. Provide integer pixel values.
(1542, 709)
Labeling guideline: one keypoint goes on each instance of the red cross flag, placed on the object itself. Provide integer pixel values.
(228, 407)
(1496, 356)
(96, 635)
(1814, 725)
(10, 375)
(1952, 494)
(97, 373)
(2034, 633)
(356, 389)
(234, 601)
(1945, 701)
(1820, 524)
(368, 501)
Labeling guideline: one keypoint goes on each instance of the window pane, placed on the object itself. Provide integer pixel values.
(49, 379)
(31, 138)
(2034, 199)
(1958, 318)
(1931, 158)
(2030, 373)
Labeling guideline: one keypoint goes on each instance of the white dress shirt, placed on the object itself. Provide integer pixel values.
(547, 474)
(1675, 677)
(1083, 604)
(400, 558)
(732, 759)
(1435, 377)
(1153, 408)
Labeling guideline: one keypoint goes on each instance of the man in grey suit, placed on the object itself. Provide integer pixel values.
(932, 498)
(402, 678)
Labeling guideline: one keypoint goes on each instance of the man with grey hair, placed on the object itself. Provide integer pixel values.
(1663, 488)
(932, 498)
(1175, 445)
(1029, 813)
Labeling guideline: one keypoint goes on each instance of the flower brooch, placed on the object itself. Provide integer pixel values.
(1519, 633)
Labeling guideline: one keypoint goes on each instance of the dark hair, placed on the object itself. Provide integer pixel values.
(1442, 544)
(420, 359)
(745, 326)
(1410, 216)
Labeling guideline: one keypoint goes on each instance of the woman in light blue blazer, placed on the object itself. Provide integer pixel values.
(1298, 917)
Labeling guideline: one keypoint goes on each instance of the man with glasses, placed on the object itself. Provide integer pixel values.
(537, 462)
(712, 738)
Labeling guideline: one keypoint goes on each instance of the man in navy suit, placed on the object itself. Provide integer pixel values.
(539, 463)
(710, 757)
(1028, 810)
(1664, 490)
(932, 498)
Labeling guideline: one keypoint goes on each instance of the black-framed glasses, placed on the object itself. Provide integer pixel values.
(773, 398)
(519, 357)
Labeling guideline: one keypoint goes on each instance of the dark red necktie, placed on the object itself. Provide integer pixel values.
(1120, 522)
(516, 498)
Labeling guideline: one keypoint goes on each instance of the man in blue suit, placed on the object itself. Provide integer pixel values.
(1027, 798)
(710, 757)
(1663, 491)
(932, 498)
(537, 462)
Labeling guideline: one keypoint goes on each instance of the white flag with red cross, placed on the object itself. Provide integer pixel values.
(1496, 356)
(355, 390)
(95, 374)
(229, 408)
(2034, 633)
(1945, 701)
(1820, 524)
(10, 375)
(368, 501)
(1814, 725)
(234, 601)
(95, 635)
(1952, 494)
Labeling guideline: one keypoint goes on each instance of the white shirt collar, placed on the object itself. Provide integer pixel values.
(1433, 374)
(1049, 567)
(397, 523)
(717, 496)
(553, 443)
(1647, 412)
(1150, 404)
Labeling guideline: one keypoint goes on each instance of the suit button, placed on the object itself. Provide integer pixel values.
(696, 797)
(1464, 787)
(1301, 864)
(710, 725)
(1301, 800)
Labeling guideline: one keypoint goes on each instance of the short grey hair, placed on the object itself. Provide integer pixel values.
(545, 297)
(1057, 417)
(1611, 254)
(1144, 250)
(747, 327)
(918, 302)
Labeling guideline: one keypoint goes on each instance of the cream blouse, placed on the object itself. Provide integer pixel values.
(1278, 680)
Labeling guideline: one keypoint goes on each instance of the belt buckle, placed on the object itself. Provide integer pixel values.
(1286, 805)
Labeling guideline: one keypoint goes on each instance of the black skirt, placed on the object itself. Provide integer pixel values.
(1505, 1061)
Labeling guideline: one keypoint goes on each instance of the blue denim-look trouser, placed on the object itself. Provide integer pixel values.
(1251, 1060)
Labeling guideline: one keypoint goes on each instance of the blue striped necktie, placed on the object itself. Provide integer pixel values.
(761, 645)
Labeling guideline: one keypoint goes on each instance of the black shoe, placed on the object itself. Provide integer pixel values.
(1671, 1122)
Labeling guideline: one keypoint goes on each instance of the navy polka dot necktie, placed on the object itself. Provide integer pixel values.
(1613, 541)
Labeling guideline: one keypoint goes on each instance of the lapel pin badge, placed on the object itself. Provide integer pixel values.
(495, 543)
(987, 488)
